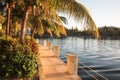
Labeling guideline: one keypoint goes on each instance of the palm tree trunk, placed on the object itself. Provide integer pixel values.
(8, 21)
(23, 28)
(33, 31)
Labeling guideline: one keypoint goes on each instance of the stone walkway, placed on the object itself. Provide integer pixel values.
(53, 68)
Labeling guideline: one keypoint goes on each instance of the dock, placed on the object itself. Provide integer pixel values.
(52, 67)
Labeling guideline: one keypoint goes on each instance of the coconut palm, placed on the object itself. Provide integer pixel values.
(71, 7)
(79, 12)
(46, 21)
(9, 6)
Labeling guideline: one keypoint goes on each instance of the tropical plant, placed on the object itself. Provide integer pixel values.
(31, 45)
(16, 61)
(43, 19)
(72, 7)
(9, 6)
(77, 11)
(48, 10)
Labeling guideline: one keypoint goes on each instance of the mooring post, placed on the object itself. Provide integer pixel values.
(44, 43)
(72, 64)
(50, 45)
(37, 41)
(56, 51)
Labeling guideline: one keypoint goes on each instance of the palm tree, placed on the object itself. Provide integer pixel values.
(27, 7)
(72, 7)
(45, 21)
(9, 6)
(77, 11)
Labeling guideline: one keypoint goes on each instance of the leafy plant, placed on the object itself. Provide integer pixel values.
(14, 61)
(32, 44)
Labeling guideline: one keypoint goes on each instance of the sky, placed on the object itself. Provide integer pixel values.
(103, 12)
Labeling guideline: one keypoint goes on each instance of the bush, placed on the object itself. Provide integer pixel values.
(15, 60)
(32, 44)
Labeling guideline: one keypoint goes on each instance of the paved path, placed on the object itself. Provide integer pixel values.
(53, 67)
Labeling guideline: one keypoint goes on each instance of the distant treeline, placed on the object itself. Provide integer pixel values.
(106, 32)
(77, 33)
(110, 32)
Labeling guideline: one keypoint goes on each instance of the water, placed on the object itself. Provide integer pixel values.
(102, 56)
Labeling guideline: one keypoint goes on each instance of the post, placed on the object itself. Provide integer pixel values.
(72, 64)
(50, 45)
(37, 41)
(44, 43)
(56, 51)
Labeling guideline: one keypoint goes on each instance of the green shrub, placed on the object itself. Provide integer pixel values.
(32, 44)
(16, 61)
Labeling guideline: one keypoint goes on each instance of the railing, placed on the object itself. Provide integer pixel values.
(84, 67)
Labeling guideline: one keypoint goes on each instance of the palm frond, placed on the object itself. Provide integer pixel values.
(64, 19)
(79, 12)
(61, 29)
(49, 31)
(50, 18)
(40, 28)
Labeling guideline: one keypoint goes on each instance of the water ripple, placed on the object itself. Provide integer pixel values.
(102, 56)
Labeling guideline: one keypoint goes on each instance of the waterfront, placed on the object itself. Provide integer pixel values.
(102, 56)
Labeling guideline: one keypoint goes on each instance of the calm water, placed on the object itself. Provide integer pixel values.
(102, 56)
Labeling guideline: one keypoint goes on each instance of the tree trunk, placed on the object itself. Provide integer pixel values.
(23, 28)
(8, 21)
(33, 31)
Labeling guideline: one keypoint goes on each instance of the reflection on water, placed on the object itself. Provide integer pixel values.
(102, 56)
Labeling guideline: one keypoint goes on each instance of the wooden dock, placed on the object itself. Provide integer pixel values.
(53, 68)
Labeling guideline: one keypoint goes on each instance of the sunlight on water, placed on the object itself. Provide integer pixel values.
(102, 56)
